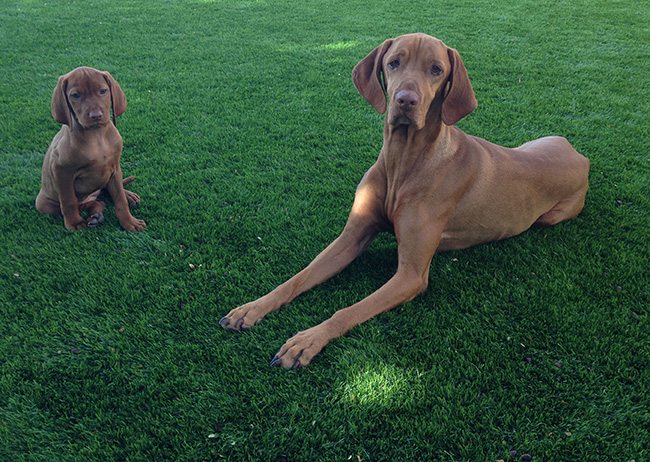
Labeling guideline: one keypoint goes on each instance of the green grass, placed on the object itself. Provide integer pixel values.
(248, 139)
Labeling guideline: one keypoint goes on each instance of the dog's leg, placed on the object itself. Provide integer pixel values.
(64, 180)
(46, 205)
(339, 254)
(418, 235)
(564, 210)
(132, 198)
(361, 228)
(115, 188)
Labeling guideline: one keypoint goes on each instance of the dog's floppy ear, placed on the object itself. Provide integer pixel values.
(118, 98)
(60, 105)
(460, 99)
(368, 79)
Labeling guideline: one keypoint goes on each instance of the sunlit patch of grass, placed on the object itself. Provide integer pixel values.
(378, 385)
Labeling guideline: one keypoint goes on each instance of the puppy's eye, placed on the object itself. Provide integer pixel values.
(436, 70)
(75, 95)
(394, 64)
(103, 91)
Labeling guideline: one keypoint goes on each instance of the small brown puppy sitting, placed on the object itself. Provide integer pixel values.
(435, 187)
(83, 159)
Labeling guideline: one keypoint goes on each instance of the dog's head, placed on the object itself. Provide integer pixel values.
(85, 95)
(415, 72)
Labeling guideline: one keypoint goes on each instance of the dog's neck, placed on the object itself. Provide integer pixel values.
(407, 148)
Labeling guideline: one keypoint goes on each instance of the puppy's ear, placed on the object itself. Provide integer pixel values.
(460, 100)
(60, 105)
(118, 98)
(368, 79)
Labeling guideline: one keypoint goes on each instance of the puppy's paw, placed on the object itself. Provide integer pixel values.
(74, 224)
(133, 224)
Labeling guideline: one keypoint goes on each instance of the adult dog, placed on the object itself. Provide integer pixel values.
(434, 186)
(83, 159)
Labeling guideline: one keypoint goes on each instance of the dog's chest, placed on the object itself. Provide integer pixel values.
(97, 168)
(404, 188)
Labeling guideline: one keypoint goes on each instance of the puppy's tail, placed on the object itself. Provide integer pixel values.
(127, 180)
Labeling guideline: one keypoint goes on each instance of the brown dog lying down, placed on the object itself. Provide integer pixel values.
(434, 186)
(83, 159)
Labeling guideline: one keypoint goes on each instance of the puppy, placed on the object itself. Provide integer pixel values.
(83, 159)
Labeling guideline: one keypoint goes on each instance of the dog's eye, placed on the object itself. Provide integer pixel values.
(394, 64)
(75, 95)
(436, 70)
(103, 91)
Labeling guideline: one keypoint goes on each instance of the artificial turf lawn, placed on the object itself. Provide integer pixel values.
(248, 138)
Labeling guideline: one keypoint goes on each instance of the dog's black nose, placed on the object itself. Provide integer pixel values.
(407, 99)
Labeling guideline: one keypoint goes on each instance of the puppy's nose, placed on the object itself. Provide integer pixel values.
(407, 99)
(95, 115)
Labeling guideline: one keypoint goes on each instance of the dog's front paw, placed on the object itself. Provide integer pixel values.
(300, 349)
(243, 317)
(74, 224)
(133, 224)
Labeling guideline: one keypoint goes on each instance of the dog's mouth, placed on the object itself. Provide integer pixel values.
(94, 124)
(411, 119)
(402, 119)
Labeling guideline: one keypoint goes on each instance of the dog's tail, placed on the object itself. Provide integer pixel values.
(127, 180)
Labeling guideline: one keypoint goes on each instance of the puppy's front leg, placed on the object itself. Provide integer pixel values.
(115, 188)
(64, 180)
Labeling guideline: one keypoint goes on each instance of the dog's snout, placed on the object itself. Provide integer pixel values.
(407, 99)
(96, 115)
